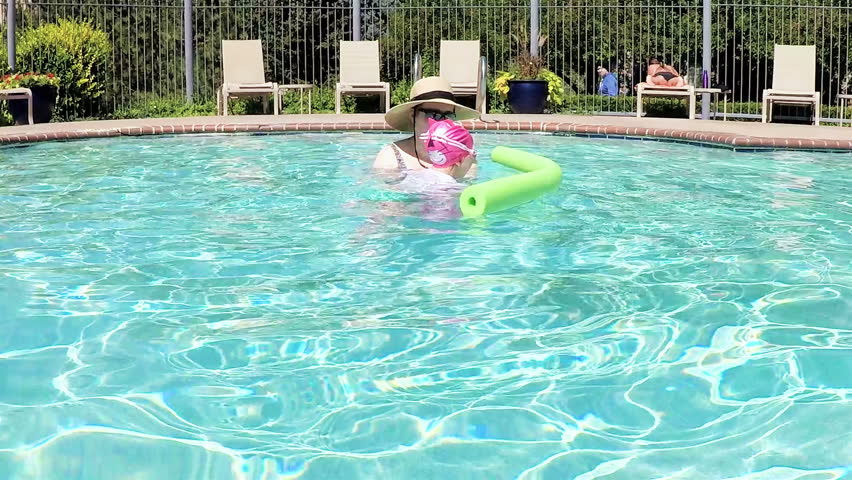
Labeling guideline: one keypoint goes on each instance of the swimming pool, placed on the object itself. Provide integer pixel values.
(260, 307)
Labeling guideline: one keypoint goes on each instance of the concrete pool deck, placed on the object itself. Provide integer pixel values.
(739, 135)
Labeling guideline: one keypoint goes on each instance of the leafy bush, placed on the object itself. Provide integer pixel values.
(152, 106)
(155, 107)
(400, 92)
(324, 101)
(77, 53)
(673, 107)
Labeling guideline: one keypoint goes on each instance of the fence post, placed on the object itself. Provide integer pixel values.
(188, 48)
(535, 9)
(10, 33)
(706, 61)
(356, 20)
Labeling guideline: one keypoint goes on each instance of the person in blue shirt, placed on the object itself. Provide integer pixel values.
(609, 83)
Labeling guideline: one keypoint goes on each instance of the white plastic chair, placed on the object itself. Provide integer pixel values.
(465, 69)
(360, 72)
(243, 74)
(793, 80)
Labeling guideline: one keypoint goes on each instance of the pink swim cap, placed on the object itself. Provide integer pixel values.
(447, 142)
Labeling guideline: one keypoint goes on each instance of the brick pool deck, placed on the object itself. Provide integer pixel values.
(738, 135)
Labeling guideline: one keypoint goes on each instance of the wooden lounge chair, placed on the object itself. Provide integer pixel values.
(465, 69)
(648, 90)
(243, 74)
(793, 80)
(360, 72)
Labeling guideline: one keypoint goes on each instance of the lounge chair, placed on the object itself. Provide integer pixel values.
(243, 74)
(465, 69)
(648, 90)
(793, 80)
(20, 94)
(359, 72)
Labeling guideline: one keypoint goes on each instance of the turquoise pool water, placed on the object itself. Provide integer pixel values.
(258, 307)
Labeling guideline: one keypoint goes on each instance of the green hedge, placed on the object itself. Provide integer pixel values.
(152, 106)
(74, 51)
(155, 107)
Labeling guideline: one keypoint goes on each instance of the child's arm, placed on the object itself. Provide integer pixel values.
(469, 167)
(473, 171)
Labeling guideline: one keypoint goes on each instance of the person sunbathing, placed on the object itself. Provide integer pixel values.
(662, 75)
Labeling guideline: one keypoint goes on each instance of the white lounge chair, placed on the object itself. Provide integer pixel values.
(360, 72)
(793, 80)
(20, 94)
(243, 74)
(648, 90)
(465, 69)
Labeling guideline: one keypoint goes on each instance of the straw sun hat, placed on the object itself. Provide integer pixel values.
(426, 90)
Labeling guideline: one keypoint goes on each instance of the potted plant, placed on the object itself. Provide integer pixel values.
(529, 86)
(44, 87)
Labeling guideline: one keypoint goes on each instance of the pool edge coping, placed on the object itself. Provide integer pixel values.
(698, 137)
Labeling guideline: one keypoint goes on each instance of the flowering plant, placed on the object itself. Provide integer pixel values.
(30, 79)
(528, 67)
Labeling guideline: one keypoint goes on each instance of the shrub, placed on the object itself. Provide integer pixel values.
(77, 53)
(324, 101)
(400, 92)
(152, 106)
(156, 107)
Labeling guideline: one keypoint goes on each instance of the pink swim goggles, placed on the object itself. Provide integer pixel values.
(447, 142)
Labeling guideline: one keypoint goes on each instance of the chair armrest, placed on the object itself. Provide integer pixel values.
(364, 85)
(772, 91)
(690, 89)
(17, 90)
(236, 87)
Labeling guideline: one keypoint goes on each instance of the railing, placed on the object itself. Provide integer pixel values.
(301, 38)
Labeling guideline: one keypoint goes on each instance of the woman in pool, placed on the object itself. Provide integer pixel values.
(663, 75)
(431, 98)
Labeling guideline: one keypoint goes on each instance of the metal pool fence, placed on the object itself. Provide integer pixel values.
(156, 42)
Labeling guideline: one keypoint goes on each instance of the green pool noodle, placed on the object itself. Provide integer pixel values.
(540, 176)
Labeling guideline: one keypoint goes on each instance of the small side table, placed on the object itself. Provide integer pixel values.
(844, 97)
(301, 87)
(715, 92)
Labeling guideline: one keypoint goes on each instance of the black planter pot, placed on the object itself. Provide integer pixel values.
(527, 96)
(44, 101)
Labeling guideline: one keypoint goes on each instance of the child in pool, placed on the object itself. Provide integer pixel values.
(451, 154)
(431, 99)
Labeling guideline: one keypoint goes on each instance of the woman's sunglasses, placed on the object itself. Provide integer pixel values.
(436, 115)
